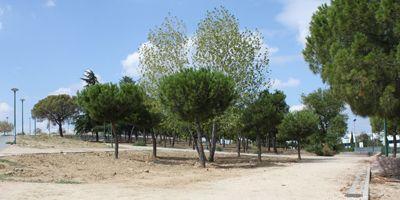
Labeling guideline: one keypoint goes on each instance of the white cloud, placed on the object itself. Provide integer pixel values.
(5, 110)
(279, 84)
(296, 15)
(50, 3)
(130, 65)
(284, 59)
(71, 90)
(297, 107)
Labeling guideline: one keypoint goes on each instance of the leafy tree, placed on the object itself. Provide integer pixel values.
(221, 45)
(365, 139)
(298, 126)
(89, 77)
(127, 79)
(110, 103)
(56, 108)
(197, 96)
(265, 114)
(332, 123)
(6, 127)
(165, 53)
(355, 47)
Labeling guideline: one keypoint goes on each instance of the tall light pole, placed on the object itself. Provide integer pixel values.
(30, 126)
(354, 131)
(15, 114)
(22, 104)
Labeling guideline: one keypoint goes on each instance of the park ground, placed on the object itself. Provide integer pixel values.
(54, 168)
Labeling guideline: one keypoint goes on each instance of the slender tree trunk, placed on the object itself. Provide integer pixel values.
(223, 142)
(238, 145)
(115, 139)
(244, 145)
(154, 141)
(190, 141)
(136, 135)
(298, 150)
(213, 142)
(269, 142)
(202, 156)
(259, 146)
(60, 130)
(274, 143)
(247, 144)
(173, 140)
(97, 136)
(394, 146)
(165, 140)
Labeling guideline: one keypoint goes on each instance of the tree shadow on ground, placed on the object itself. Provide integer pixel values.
(226, 162)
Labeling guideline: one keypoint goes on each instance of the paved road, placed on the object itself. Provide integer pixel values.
(3, 140)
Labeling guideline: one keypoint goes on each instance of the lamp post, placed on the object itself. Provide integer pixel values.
(15, 114)
(22, 112)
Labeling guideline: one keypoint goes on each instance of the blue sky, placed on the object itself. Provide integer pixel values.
(45, 45)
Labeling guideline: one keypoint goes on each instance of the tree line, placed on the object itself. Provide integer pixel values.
(211, 86)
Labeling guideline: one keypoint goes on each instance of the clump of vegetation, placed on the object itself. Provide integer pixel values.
(140, 143)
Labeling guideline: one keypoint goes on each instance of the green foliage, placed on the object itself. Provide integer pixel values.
(110, 102)
(221, 45)
(56, 108)
(365, 139)
(332, 123)
(197, 95)
(298, 125)
(355, 47)
(218, 148)
(140, 143)
(89, 77)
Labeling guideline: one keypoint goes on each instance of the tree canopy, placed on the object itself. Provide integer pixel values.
(197, 96)
(56, 108)
(110, 103)
(355, 47)
(298, 126)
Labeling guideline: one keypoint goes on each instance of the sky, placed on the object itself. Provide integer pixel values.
(46, 45)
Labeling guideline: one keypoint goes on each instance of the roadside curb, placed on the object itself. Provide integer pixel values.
(365, 192)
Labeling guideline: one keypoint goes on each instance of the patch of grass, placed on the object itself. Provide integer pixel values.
(140, 143)
(218, 148)
(11, 163)
(9, 142)
(65, 181)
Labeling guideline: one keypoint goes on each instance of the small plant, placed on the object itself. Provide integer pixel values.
(9, 142)
(218, 148)
(139, 143)
(326, 151)
(65, 181)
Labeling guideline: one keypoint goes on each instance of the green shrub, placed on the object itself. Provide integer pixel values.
(218, 148)
(140, 143)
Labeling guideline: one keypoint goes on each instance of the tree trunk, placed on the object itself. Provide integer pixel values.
(97, 136)
(223, 142)
(202, 156)
(173, 140)
(269, 142)
(165, 140)
(259, 146)
(274, 143)
(190, 141)
(213, 142)
(115, 139)
(298, 150)
(238, 145)
(394, 146)
(60, 130)
(136, 135)
(154, 141)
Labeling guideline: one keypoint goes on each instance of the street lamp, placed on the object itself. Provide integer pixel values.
(15, 114)
(22, 103)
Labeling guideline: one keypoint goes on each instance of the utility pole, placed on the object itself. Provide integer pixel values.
(30, 126)
(15, 114)
(22, 104)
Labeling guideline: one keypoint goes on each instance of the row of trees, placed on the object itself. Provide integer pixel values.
(355, 47)
(206, 87)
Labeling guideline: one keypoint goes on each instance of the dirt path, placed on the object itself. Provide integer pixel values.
(314, 178)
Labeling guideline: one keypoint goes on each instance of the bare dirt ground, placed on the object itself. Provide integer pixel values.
(384, 189)
(174, 175)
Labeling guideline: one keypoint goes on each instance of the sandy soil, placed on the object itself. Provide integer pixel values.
(174, 176)
(54, 141)
(384, 189)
